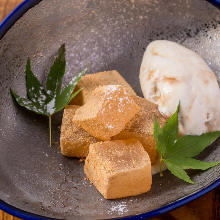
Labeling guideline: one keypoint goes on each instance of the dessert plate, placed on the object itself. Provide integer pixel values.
(36, 181)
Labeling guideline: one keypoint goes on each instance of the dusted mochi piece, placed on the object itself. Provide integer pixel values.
(106, 112)
(142, 127)
(119, 168)
(91, 81)
(74, 141)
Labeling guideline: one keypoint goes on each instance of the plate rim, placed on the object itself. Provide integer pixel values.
(171, 206)
(5, 25)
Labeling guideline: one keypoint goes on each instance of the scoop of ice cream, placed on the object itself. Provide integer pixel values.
(171, 73)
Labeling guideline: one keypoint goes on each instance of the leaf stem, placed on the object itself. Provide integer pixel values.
(50, 130)
(161, 160)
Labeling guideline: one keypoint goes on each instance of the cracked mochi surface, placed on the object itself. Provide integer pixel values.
(74, 141)
(106, 112)
(141, 127)
(119, 168)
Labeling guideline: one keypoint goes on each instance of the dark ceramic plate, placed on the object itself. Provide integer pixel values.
(108, 35)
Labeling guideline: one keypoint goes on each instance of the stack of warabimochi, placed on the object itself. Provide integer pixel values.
(113, 128)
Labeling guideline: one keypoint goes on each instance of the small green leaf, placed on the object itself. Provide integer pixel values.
(161, 147)
(74, 95)
(177, 153)
(55, 76)
(178, 171)
(191, 163)
(190, 146)
(51, 107)
(170, 131)
(167, 136)
(28, 104)
(35, 91)
(47, 102)
(50, 100)
(65, 97)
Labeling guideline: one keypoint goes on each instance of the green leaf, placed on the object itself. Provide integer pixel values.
(177, 153)
(50, 100)
(35, 91)
(190, 146)
(65, 97)
(161, 147)
(55, 76)
(167, 136)
(170, 131)
(191, 163)
(28, 104)
(74, 95)
(178, 171)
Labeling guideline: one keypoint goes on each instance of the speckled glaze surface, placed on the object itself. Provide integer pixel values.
(107, 35)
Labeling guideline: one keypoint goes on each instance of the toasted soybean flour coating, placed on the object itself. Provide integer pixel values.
(90, 82)
(119, 168)
(106, 112)
(74, 141)
(142, 125)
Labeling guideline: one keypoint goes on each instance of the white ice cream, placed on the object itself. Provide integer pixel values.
(171, 73)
